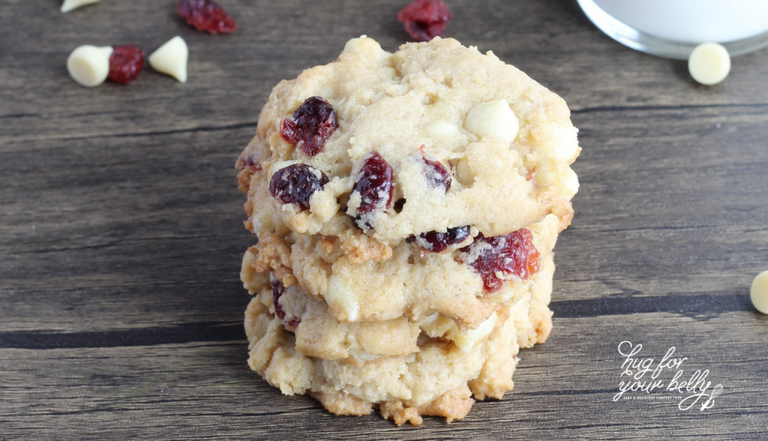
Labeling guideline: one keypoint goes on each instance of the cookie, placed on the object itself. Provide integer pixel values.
(318, 334)
(409, 283)
(440, 379)
(406, 206)
(434, 103)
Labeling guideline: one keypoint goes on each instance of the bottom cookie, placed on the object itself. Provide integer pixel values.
(439, 380)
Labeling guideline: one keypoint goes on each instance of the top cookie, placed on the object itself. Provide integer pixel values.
(435, 138)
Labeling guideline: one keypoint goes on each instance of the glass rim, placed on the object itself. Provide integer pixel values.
(643, 42)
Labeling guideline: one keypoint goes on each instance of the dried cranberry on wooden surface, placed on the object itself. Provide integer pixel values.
(125, 63)
(425, 19)
(499, 257)
(207, 16)
(313, 123)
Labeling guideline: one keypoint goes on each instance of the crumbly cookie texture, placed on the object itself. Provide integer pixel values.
(407, 206)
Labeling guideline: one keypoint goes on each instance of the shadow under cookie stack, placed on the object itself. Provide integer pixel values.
(406, 207)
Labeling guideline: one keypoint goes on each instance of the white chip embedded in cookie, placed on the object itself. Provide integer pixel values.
(493, 119)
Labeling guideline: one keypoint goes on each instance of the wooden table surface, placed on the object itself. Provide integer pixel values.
(121, 229)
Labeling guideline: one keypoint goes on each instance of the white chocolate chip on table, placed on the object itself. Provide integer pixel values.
(89, 65)
(171, 59)
(70, 5)
(758, 293)
(709, 63)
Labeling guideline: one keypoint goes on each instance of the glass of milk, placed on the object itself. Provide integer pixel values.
(672, 28)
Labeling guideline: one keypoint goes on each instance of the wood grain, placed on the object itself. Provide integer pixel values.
(121, 228)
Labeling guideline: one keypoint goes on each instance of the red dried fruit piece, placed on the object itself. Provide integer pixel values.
(425, 19)
(291, 324)
(437, 174)
(206, 16)
(439, 242)
(375, 185)
(249, 163)
(295, 184)
(125, 63)
(313, 123)
(505, 256)
(289, 131)
(277, 290)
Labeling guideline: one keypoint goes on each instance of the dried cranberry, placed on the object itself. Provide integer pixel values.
(291, 324)
(438, 175)
(439, 242)
(289, 131)
(207, 16)
(295, 184)
(499, 257)
(313, 123)
(375, 185)
(425, 19)
(277, 290)
(250, 164)
(125, 63)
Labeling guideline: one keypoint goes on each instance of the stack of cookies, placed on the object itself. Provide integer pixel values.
(406, 207)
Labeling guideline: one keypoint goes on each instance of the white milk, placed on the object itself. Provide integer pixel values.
(692, 21)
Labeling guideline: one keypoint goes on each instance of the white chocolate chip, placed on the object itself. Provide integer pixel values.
(758, 293)
(171, 59)
(566, 146)
(428, 320)
(89, 65)
(493, 119)
(390, 72)
(70, 5)
(709, 63)
(436, 325)
(467, 341)
(551, 173)
(464, 173)
(355, 44)
(341, 300)
(545, 173)
(326, 91)
(438, 129)
(368, 46)
(362, 355)
(569, 182)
